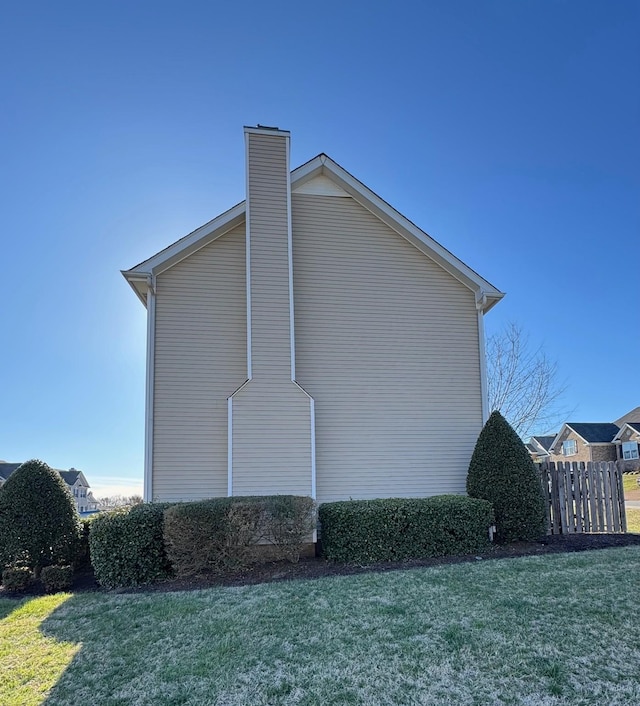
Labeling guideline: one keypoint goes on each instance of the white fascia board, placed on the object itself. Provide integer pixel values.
(322, 164)
(139, 284)
(626, 426)
(190, 243)
(559, 434)
(424, 242)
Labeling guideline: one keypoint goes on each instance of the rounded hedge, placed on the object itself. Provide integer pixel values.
(39, 524)
(127, 546)
(502, 472)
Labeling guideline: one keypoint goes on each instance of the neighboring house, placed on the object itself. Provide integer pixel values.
(79, 488)
(627, 442)
(74, 479)
(310, 340)
(538, 447)
(584, 441)
(632, 416)
(6, 469)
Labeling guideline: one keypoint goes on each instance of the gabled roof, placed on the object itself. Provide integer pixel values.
(595, 432)
(634, 426)
(590, 432)
(69, 477)
(632, 416)
(6, 469)
(544, 441)
(139, 277)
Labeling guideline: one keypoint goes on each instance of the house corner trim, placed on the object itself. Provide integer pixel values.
(148, 432)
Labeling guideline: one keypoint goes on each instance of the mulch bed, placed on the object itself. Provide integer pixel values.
(313, 568)
(318, 568)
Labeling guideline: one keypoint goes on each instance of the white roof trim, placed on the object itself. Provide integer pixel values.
(322, 165)
(565, 426)
(618, 436)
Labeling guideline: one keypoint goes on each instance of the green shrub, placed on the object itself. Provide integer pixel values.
(291, 520)
(82, 559)
(16, 578)
(394, 529)
(56, 578)
(223, 533)
(502, 472)
(127, 547)
(196, 535)
(38, 518)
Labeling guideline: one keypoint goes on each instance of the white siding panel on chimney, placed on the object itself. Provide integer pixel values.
(200, 359)
(387, 344)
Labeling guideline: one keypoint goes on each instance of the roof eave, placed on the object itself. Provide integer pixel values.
(487, 296)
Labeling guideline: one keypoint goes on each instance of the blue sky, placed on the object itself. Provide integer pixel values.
(508, 130)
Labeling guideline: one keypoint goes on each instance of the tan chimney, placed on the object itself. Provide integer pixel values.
(271, 432)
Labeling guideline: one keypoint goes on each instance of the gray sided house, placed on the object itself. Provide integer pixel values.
(310, 340)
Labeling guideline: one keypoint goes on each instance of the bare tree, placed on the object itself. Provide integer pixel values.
(113, 501)
(523, 383)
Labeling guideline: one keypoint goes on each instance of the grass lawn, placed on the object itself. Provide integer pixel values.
(633, 520)
(630, 485)
(553, 629)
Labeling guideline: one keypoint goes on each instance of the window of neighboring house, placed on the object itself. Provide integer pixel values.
(569, 447)
(629, 449)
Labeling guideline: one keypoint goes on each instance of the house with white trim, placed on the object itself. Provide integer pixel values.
(75, 481)
(310, 340)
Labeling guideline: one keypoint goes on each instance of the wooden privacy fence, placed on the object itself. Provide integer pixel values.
(584, 497)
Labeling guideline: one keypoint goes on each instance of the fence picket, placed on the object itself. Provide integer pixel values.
(607, 495)
(623, 509)
(615, 500)
(583, 497)
(593, 499)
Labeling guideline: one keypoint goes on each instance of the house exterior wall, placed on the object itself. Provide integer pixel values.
(603, 452)
(629, 465)
(586, 452)
(200, 359)
(583, 451)
(387, 344)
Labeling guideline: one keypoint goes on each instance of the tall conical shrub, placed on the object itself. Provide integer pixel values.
(39, 524)
(502, 472)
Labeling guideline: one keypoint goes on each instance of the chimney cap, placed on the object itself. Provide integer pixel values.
(265, 129)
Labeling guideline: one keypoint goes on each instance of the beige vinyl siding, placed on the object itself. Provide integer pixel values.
(271, 415)
(200, 359)
(269, 231)
(271, 439)
(387, 344)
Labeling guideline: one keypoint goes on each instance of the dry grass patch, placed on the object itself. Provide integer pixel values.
(633, 520)
(535, 630)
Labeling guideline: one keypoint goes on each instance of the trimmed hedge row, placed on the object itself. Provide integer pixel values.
(127, 546)
(394, 529)
(225, 532)
(151, 542)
